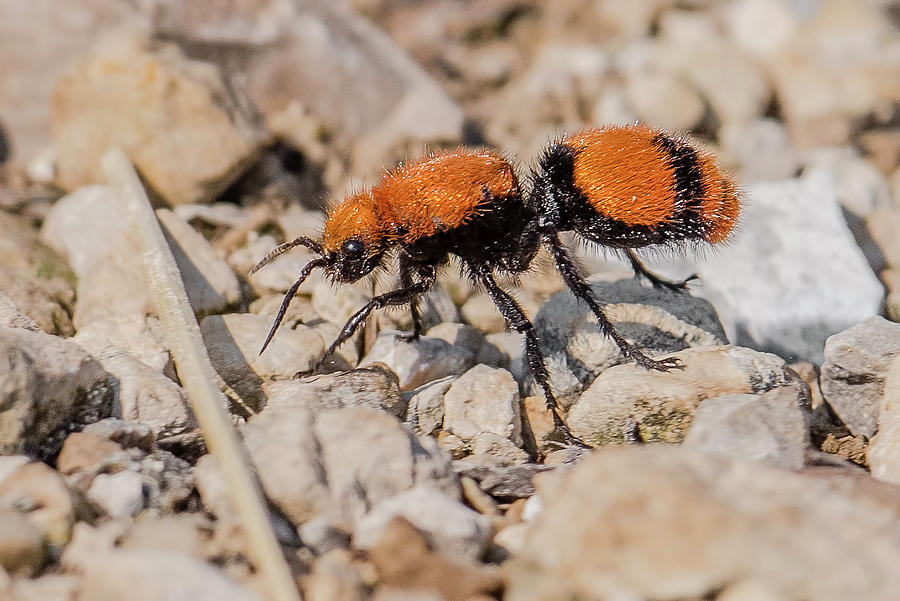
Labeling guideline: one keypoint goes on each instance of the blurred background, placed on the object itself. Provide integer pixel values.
(295, 102)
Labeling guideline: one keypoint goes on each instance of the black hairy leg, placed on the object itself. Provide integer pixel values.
(640, 270)
(393, 298)
(582, 290)
(520, 322)
(425, 272)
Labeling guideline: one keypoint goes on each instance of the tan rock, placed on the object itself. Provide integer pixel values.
(82, 452)
(126, 93)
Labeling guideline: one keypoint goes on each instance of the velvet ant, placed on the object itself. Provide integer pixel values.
(621, 187)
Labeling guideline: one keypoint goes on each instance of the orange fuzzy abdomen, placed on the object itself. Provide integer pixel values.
(640, 176)
(442, 192)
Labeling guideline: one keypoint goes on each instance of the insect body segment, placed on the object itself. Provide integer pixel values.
(623, 187)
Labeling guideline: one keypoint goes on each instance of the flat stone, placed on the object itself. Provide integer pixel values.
(629, 403)
(125, 93)
(10, 317)
(334, 463)
(137, 335)
(663, 522)
(656, 320)
(449, 526)
(853, 376)
(46, 382)
(772, 427)
(374, 386)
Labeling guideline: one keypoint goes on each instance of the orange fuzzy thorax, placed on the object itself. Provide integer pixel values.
(422, 198)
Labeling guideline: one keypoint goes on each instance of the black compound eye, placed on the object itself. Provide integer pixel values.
(352, 247)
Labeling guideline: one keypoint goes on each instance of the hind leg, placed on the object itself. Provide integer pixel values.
(580, 289)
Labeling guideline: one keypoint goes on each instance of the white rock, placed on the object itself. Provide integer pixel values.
(120, 495)
(450, 526)
(793, 274)
(484, 399)
(45, 381)
(138, 335)
(10, 317)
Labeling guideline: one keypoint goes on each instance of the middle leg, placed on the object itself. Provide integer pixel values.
(520, 322)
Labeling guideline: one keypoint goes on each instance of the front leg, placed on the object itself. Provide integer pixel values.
(395, 297)
(581, 290)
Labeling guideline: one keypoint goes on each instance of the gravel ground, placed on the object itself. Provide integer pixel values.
(767, 469)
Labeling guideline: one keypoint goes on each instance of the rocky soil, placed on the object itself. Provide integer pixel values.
(767, 469)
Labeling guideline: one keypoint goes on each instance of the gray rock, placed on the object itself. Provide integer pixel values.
(484, 399)
(504, 482)
(146, 575)
(210, 283)
(656, 320)
(853, 376)
(762, 148)
(449, 526)
(628, 403)
(499, 448)
(793, 275)
(22, 545)
(420, 361)
(374, 386)
(771, 427)
(425, 412)
(663, 522)
(109, 100)
(234, 340)
(119, 495)
(46, 382)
